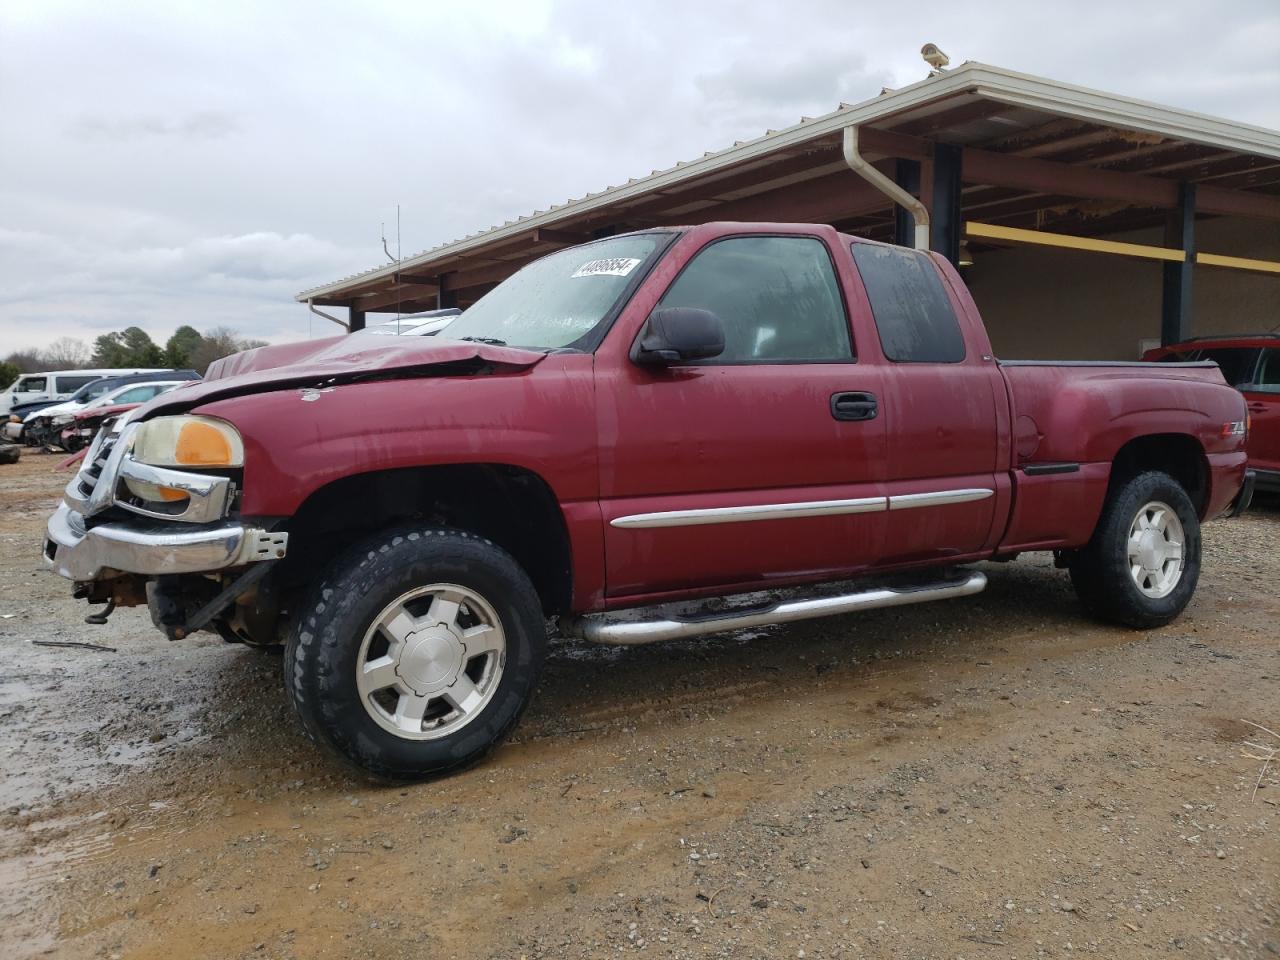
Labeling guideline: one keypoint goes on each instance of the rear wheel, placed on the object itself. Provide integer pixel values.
(417, 653)
(1142, 564)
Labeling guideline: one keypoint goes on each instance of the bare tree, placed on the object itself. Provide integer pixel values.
(66, 353)
(27, 361)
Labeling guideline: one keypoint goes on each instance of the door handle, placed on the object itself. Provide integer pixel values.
(854, 406)
(1256, 407)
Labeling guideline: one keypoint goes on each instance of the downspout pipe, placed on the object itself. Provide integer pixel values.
(863, 168)
(328, 316)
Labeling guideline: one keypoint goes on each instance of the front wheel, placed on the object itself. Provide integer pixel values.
(417, 653)
(1142, 564)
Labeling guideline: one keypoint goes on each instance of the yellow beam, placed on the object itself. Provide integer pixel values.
(991, 231)
(1237, 263)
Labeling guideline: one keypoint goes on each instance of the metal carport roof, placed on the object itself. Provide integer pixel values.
(1036, 154)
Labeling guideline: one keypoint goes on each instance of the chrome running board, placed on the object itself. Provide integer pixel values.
(604, 628)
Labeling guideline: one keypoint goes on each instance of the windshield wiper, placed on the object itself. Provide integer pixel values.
(491, 341)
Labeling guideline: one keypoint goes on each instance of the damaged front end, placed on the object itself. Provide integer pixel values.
(151, 518)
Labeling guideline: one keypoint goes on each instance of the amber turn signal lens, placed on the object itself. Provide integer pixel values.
(170, 494)
(201, 445)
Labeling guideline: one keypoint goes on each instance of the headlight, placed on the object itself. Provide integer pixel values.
(189, 441)
(60, 421)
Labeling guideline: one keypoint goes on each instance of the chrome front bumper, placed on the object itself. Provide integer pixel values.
(199, 538)
(152, 547)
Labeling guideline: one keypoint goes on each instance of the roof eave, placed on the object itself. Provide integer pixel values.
(994, 83)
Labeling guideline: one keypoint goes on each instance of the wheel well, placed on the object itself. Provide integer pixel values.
(1177, 454)
(513, 507)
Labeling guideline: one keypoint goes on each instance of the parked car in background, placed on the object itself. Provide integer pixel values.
(666, 416)
(44, 427)
(85, 424)
(1251, 364)
(415, 324)
(57, 385)
(89, 393)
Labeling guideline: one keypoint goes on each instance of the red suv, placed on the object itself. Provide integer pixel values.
(1250, 363)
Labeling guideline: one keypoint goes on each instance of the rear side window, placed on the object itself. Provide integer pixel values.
(72, 384)
(778, 298)
(910, 306)
(136, 395)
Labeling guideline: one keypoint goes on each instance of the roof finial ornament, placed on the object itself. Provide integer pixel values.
(935, 58)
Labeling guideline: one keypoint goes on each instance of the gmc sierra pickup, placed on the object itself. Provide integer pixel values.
(663, 416)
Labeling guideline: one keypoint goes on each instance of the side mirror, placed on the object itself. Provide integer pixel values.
(677, 334)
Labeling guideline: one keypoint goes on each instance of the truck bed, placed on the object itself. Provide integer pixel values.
(1071, 420)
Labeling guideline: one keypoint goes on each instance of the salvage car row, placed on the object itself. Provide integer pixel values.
(67, 423)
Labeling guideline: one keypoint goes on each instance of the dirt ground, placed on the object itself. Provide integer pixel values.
(989, 778)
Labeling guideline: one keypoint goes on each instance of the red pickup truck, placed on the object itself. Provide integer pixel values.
(662, 416)
(1251, 364)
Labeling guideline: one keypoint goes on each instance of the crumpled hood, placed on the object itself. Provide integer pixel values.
(335, 360)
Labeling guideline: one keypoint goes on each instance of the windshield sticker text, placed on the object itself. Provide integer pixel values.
(608, 267)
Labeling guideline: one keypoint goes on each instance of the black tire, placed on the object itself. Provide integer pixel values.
(323, 649)
(1101, 571)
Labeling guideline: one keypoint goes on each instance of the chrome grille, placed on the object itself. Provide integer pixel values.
(92, 470)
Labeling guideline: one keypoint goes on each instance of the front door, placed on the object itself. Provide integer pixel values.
(742, 470)
(1263, 398)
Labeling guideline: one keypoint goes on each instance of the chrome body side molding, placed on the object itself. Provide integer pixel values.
(807, 508)
(910, 501)
(764, 511)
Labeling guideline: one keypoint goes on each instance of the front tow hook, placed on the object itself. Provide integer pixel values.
(99, 618)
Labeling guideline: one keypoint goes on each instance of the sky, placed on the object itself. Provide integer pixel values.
(201, 163)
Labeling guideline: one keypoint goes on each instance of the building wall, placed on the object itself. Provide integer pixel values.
(1047, 303)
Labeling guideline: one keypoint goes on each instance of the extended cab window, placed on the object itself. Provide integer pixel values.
(912, 312)
(778, 298)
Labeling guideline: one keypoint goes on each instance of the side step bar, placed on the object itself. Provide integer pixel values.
(602, 628)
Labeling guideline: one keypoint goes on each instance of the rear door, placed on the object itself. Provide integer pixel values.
(749, 468)
(940, 394)
(1263, 398)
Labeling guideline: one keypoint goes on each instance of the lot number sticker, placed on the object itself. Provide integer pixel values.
(608, 267)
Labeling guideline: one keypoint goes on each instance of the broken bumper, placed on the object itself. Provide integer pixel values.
(152, 547)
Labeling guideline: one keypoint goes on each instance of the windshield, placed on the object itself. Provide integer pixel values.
(558, 300)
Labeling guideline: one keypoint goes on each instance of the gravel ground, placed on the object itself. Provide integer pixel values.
(988, 778)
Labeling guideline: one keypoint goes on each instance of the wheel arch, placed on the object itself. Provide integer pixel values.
(512, 506)
(1178, 454)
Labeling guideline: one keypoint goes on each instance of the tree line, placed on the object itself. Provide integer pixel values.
(188, 348)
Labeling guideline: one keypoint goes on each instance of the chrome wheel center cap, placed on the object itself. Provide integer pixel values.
(1151, 552)
(430, 660)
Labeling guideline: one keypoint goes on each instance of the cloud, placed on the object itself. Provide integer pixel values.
(203, 163)
(207, 125)
(49, 283)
